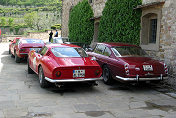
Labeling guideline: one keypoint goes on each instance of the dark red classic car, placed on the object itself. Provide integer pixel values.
(12, 43)
(127, 63)
(61, 63)
(22, 47)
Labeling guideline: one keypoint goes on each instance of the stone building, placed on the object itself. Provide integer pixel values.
(158, 30)
(158, 27)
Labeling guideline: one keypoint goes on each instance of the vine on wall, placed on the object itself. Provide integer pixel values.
(120, 22)
(81, 28)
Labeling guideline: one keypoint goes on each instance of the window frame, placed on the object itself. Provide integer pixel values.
(148, 14)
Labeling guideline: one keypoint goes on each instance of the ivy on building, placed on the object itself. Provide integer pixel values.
(81, 28)
(120, 22)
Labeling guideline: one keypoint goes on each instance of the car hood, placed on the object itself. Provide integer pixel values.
(75, 61)
(139, 60)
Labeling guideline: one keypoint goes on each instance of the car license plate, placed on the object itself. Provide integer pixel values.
(147, 67)
(36, 49)
(78, 73)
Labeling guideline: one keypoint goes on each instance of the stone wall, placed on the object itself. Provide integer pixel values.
(149, 1)
(167, 38)
(36, 35)
(168, 34)
(7, 31)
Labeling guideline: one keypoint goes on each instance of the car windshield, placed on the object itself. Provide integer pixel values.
(32, 41)
(60, 40)
(129, 51)
(68, 52)
(57, 40)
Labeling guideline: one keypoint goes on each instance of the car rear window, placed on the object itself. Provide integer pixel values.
(32, 41)
(68, 52)
(129, 51)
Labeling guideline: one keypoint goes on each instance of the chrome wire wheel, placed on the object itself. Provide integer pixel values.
(43, 83)
(107, 79)
(40, 75)
(105, 74)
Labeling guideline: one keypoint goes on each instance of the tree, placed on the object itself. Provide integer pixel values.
(3, 21)
(81, 28)
(29, 19)
(10, 21)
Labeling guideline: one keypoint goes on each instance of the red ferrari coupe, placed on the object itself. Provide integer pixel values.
(127, 63)
(23, 46)
(60, 63)
(12, 44)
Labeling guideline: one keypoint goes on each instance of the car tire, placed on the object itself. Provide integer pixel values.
(43, 83)
(17, 59)
(30, 71)
(12, 55)
(107, 78)
(9, 51)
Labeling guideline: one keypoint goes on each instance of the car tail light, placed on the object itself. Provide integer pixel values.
(97, 72)
(58, 73)
(126, 69)
(165, 68)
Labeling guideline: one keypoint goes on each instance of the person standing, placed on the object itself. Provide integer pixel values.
(56, 35)
(50, 35)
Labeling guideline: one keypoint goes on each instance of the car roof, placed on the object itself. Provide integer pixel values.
(61, 45)
(113, 44)
(60, 37)
(29, 38)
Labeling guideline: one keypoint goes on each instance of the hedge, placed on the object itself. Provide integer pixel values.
(120, 22)
(81, 28)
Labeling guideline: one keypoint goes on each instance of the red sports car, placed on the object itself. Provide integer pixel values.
(23, 46)
(60, 63)
(12, 43)
(127, 63)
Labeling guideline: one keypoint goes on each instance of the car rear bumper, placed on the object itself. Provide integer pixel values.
(73, 80)
(22, 55)
(137, 78)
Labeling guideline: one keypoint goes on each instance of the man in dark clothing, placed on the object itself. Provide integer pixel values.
(56, 35)
(50, 35)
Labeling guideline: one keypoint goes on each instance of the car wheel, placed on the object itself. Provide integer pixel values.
(17, 59)
(43, 83)
(30, 71)
(12, 55)
(9, 51)
(107, 79)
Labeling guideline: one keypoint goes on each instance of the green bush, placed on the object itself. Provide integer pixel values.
(120, 22)
(3, 21)
(56, 26)
(81, 28)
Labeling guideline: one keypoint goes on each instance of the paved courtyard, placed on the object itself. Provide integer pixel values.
(22, 97)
